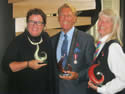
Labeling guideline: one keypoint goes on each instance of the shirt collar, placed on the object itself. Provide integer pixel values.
(103, 39)
(69, 33)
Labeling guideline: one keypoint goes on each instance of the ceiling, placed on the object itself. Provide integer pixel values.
(20, 7)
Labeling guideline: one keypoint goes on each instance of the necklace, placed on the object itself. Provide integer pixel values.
(35, 43)
(36, 56)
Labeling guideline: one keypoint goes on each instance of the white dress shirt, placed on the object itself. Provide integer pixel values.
(116, 63)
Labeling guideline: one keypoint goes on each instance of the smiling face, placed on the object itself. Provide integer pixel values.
(66, 19)
(105, 25)
(35, 25)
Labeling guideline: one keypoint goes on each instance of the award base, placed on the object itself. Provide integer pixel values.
(45, 62)
(65, 74)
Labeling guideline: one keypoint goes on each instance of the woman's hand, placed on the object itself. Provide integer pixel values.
(35, 64)
(92, 85)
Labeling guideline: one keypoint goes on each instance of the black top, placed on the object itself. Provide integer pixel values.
(102, 60)
(29, 80)
(103, 67)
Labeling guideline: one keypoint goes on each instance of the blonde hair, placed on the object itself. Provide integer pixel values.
(66, 5)
(116, 31)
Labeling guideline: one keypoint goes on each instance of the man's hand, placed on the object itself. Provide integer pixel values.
(73, 76)
(35, 64)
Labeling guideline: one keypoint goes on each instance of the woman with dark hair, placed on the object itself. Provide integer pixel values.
(28, 59)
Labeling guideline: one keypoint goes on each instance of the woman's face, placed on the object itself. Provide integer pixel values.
(105, 25)
(35, 25)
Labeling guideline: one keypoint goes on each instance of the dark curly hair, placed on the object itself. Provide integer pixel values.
(36, 11)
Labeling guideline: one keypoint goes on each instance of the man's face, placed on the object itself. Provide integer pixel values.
(66, 19)
(35, 25)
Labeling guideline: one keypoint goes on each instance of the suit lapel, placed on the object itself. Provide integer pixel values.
(72, 46)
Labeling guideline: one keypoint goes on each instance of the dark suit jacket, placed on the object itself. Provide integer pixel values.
(85, 44)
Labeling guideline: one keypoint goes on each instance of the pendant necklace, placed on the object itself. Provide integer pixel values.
(36, 56)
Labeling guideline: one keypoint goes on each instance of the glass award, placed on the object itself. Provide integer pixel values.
(41, 57)
(68, 67)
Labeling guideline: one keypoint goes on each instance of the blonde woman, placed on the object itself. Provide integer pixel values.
(110, 57)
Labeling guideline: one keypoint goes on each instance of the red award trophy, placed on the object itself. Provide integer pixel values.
(93, 76)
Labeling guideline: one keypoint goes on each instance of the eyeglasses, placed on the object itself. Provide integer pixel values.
(31, 22)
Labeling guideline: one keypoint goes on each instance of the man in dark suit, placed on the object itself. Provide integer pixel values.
(78, 53)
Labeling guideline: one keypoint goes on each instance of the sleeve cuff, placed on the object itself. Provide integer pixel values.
(101, 90)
